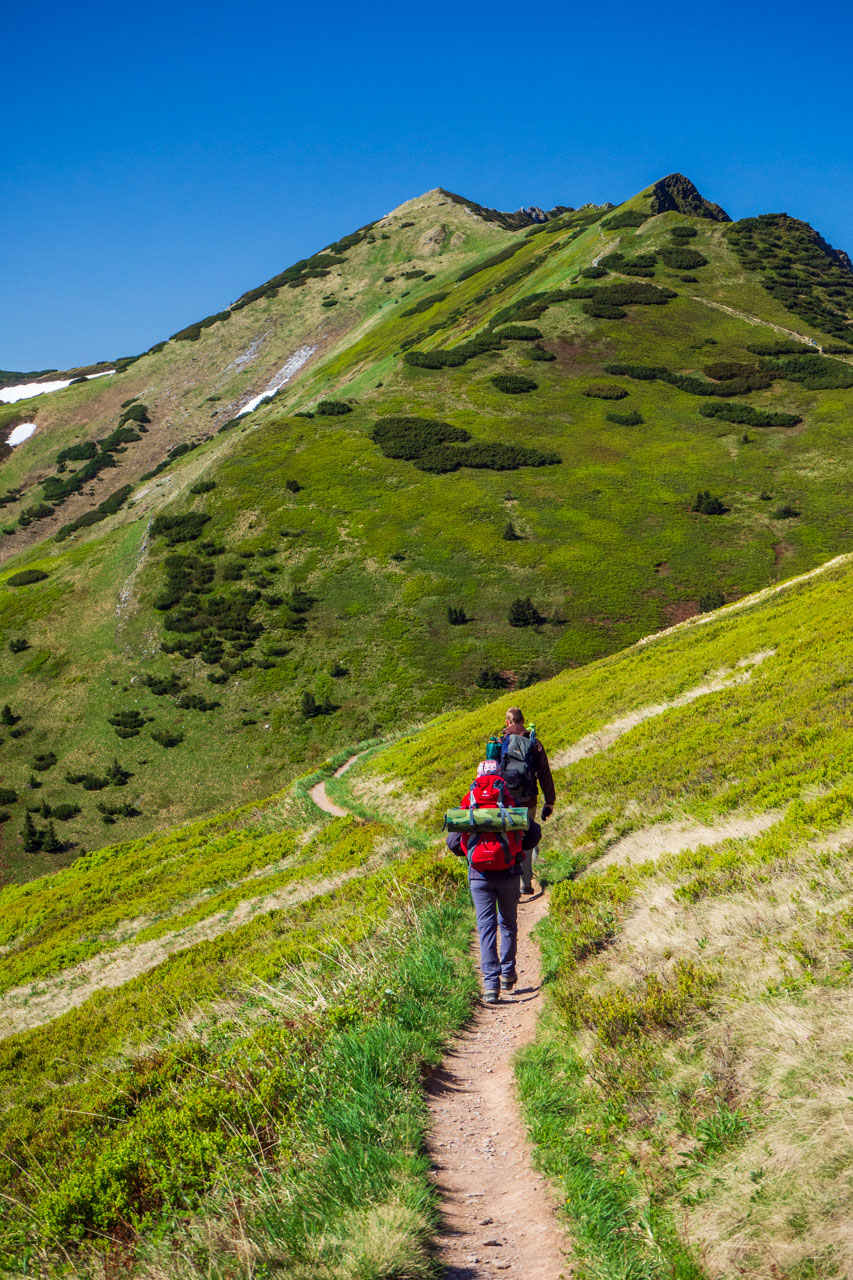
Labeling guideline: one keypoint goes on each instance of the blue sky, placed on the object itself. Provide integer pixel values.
(160, 160)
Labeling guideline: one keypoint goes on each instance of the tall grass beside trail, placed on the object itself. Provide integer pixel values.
(283, 1140)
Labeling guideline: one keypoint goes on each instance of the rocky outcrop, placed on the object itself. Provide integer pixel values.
(677, 193)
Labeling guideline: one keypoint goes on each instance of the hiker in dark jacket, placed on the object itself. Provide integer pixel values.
(526, 782)
(495, 896)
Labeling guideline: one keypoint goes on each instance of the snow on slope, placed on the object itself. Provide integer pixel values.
(22, 432)
(26, 390)
(285, 373)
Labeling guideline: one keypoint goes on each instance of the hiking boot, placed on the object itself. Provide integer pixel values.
(527, 888)
(507, 984)
(491, 995)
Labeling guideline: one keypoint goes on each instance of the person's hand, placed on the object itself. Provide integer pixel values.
(547, 810)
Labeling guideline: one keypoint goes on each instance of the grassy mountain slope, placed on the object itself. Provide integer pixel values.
(259, 1078)
(323, 579)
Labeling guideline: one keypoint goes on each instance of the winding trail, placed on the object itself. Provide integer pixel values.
(498, 1214)
(318, 791)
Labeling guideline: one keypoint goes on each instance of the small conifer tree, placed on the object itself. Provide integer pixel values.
(510, 533)
(309, 705)
(6, 716)
(50, 841)
(32, 836)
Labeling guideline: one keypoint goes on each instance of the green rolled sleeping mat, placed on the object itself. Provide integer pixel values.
(463, 820)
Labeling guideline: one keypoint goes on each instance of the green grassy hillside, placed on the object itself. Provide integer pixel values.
(404, 527)
(217, 1035)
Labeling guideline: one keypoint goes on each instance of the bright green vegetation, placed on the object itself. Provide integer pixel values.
(343, 519)
(272, 1066)
(688, 1088)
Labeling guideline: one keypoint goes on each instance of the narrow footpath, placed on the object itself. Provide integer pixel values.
(498, 1213)
(497, 1210)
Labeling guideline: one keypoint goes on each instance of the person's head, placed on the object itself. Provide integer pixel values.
(515, 720)
(487, 767)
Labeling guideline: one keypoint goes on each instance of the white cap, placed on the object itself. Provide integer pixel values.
(487, 766)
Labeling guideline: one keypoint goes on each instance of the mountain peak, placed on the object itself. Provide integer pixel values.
(677, 193)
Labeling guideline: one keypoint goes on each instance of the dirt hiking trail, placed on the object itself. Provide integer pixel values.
(498, 1213)
(318, 791)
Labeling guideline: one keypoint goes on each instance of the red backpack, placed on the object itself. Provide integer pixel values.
(491, 850)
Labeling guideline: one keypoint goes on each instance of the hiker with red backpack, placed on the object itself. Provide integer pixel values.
(490, 831)
(525, 768)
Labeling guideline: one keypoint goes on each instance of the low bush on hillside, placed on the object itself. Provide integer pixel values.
(785, 512)
(127, 723)
(523, 613)
(455, 356)
(177, 529)
(425, 304)
(513, 384)
(745, 415)
(77, 452)
(108, 507)
(163, 685)
(203, 486)
(136, 412)
(193, 332)
(167, 737)
(432, 445)
(88, 781)
(456, 616)
(708, 504)
(681, 258)
(26, 577)
(682, 232)
(779, 348)
(725, 370)
(539, 353)
(605, 391)
(815, 372)
(8, 795)
(490, 678)
(332, 408)
(46, 760)
(710, 600)
(759, 379)
(632, 419)
(18, 645)
(629, 218)
(64, 812)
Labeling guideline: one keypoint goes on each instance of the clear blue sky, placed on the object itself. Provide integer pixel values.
(160, 159)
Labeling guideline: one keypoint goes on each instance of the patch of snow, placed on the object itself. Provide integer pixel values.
(26, 390)
(22, 432)
(285, 373)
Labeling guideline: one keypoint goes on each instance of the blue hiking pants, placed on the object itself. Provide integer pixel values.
(495, 896)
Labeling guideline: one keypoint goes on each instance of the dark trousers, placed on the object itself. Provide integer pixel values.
(495, 897)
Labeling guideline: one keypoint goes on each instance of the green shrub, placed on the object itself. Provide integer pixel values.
(308, 705)
(814, 372)
(160, 685)
(456, 616)
(332, 408)
(725, 370)
(594, 273)
(108, 507)
(8, 795)
(682, 259)
(510, 533)
(456, 356)
(293, 486)
(167, 737)
(18, 644)
(136, 412)
(513, 384)
(539, 353)
(708, 504)
(632, 419)
(195, 702)
(604, 310)
(26, 577)
(64, 812)
(682, 232)
(202, 486)
(630, 218)
(523, 613)
(88, 781)
(490, 678)
(745, 415)
(176, 529)
(605, 391)
(77, 452)
(711, 600)
(785, 512)
(425, 304)
(46, 760)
